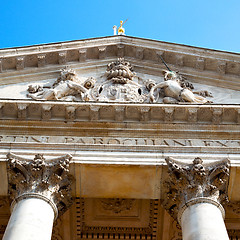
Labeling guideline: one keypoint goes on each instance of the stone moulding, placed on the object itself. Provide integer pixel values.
(114, 112)
(119, 46)
(84, 229)
(200, 200)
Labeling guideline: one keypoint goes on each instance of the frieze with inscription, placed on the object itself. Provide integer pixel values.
(119, 141)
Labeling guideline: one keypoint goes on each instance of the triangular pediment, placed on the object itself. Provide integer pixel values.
(209, 72)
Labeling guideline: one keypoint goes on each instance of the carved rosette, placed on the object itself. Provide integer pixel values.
(196, 182)
(46, 179)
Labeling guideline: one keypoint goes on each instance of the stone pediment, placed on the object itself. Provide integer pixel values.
(119, 83)
(206, 72)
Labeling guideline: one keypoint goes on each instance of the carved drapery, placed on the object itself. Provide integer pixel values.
(192, 183)
(46, 179)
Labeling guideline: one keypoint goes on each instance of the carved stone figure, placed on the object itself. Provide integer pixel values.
(196, 180)
(119, 84)
(67, 87)
(176, 90)
(50, 179)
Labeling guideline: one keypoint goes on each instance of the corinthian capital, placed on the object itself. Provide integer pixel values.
(46, 179)
(195, 182)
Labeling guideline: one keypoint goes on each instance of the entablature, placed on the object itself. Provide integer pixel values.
(213, 114)
(119, 141)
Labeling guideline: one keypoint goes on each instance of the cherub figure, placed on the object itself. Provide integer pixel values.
(173, 90)
(67, 87)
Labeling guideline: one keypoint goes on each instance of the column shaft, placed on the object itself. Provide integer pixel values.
(203, 221)
(31, 219)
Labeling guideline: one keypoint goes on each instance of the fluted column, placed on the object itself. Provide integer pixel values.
(193, 196)
(40, 189)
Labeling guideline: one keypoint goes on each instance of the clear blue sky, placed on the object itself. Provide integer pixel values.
(211, 24)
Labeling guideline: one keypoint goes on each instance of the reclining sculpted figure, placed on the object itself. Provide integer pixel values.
(67, 87)
(174, 92)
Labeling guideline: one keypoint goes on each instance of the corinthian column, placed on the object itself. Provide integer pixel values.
(193, 197)
(40, 190)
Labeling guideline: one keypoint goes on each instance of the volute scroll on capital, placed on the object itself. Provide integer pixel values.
(48, 180)
(194, 183)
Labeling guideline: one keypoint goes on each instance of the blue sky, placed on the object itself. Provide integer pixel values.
(211, 24)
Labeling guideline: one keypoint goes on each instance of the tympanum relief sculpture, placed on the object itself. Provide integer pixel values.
(119, 84)
(175, 89)
(67, 87)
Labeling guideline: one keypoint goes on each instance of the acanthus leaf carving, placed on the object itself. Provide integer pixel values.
(48, 178)
(192, 181)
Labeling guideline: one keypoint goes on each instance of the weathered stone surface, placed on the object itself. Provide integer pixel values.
(119, 145)
(120, 85)
(50, 179)
(195, 181)
(176, 89)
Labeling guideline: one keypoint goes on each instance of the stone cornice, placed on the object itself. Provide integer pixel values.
(180, 56)
(115, 112)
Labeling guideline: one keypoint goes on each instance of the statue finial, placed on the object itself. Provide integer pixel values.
(114, 30)
(121, 30)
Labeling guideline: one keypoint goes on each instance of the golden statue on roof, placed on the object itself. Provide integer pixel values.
(120, 30)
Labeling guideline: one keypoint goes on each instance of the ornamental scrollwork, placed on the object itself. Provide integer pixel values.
(57, 227)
